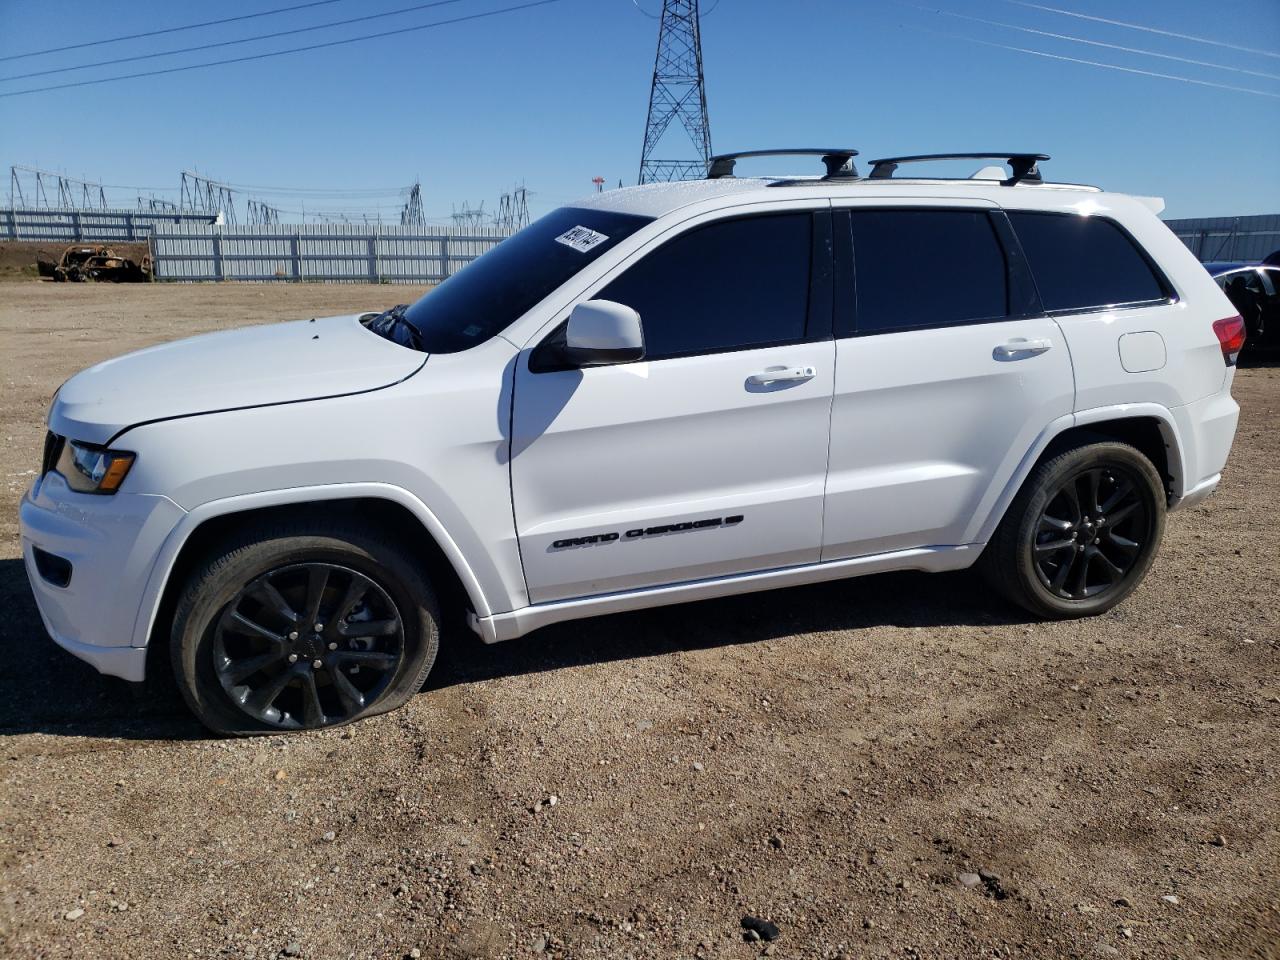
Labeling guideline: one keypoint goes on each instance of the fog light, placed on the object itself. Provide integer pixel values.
(54, 569)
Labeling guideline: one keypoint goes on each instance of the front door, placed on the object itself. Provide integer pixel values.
(705, 459)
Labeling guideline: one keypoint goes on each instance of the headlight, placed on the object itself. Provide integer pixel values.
(90, 469)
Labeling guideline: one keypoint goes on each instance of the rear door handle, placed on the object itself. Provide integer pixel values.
(1021, 347)
(781, 374)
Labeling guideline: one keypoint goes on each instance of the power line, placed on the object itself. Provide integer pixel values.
(1092, 43)
(335, 193)
(1106, 66)
(231, 43)
(1145, 29)
(280, 53)
(156, 33)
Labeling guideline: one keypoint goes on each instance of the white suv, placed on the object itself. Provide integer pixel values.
(661, 394)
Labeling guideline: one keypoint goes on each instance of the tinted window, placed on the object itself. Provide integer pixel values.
(926, 268)
(1083, 262)
(730, 285)
(492, 292)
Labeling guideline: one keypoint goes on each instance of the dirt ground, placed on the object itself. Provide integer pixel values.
(829, 758)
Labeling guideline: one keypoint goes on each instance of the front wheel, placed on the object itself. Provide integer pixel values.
(302, 627)
(1081, 534)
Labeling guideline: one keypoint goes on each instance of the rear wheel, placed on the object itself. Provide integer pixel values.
(1081, 534)
(302, 628)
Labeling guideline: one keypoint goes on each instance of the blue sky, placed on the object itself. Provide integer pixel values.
(554, 95)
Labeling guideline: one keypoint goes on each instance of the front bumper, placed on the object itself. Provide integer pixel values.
(111, 544)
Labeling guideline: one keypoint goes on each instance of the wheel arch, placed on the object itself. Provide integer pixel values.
(389, 507)
(1147, 427)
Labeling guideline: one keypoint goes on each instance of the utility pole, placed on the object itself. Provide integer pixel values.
(678, 93)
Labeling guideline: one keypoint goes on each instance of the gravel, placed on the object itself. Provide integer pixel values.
(899, 727)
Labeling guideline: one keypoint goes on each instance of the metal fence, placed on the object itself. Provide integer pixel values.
(98, 226)
(1229, 238)
(351, 253)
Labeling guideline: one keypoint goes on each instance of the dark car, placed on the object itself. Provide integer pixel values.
(1254, 290)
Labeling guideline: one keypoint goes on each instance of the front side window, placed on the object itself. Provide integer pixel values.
(729, 285)
(1084, 263)
(493, 291)
(915, 269)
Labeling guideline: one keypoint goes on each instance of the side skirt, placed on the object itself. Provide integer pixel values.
(508, 626)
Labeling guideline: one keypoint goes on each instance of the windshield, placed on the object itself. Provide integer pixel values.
(493, 291)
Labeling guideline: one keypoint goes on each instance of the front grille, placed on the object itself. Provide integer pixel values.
(52, 451)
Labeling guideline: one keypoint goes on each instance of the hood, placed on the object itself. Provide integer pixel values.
(229, 370)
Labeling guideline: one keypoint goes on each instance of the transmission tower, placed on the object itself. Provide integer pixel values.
(71, 192)
(513, 210)
(202, 195)
(156, 205)
(678, 93)
(411, 215)
(262, 215)
(469, 216)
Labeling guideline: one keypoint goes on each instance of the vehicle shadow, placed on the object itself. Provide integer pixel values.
(46, 690)
(43, 689)
(891, 599)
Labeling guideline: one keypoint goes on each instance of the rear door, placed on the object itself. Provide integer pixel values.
(946, 372)
(707, 458)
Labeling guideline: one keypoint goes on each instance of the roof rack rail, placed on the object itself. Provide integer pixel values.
(1023, 165)
(839, 162)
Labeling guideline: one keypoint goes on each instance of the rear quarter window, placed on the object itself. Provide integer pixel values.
(1085, 263)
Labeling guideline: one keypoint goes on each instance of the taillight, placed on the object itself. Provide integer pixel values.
(1231, 333)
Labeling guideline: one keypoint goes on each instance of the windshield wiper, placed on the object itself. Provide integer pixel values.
(393, 325)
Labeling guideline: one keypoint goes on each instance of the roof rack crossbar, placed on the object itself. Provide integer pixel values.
(838, 161)
(1022, 165)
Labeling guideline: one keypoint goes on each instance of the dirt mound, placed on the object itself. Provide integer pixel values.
(18, 257)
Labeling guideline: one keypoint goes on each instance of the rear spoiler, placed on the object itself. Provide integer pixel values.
(1154, 204)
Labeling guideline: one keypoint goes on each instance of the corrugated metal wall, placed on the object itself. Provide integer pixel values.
(1229, 238)
(72, 226)
(334, 252)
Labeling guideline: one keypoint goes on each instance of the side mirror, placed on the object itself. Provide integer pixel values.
(602, 332)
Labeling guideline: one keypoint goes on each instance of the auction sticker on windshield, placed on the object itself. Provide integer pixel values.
(581, 239)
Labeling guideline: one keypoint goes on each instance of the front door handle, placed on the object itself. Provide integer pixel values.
(781, 374)
(1021, 347)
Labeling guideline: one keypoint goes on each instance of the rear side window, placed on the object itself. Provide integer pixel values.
(1082, 263)
(731, 285)
(926, 268)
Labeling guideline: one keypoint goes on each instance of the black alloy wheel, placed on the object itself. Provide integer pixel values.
(1081, 533)
(1091, 533)
(310, 622)
(307, 645)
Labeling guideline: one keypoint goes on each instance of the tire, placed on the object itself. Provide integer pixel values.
(1040, 547)
(240, 607)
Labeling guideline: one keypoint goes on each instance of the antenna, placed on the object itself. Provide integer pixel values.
(678, 93)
